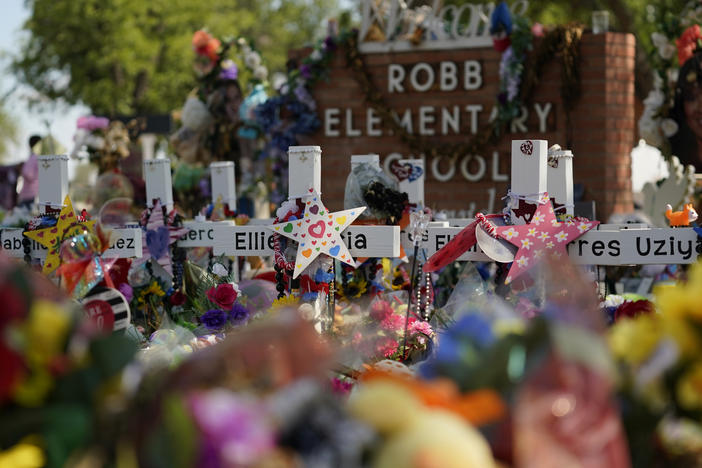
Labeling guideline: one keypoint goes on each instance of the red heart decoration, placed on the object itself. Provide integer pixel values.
(401, 171)
(317, 229)
(527, 147)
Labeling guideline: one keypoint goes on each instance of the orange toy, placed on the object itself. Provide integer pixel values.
(680, 218)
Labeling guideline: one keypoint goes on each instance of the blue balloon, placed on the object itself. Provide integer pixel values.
(501, 19)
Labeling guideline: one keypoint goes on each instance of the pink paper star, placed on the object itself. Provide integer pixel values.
(543, 236)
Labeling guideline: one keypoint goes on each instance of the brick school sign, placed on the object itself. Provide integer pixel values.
(446, 92)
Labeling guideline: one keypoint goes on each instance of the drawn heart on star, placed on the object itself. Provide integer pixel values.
(308, 220)
(299, 224)
(527, 147)
(324, 242)
(288, 227)
(317, 249)
(307, 253)
(341, 219)
(329, 223)
(314, 242)
(334, 251)
(314, 209)
(303, 235)
(157, 241)
(317, 229)
(329, 234)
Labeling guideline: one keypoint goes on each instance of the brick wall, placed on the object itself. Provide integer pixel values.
(601, 136)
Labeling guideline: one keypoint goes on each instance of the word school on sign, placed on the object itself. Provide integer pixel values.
(362, 241)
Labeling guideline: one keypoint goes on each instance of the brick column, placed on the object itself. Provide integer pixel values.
(603, 122)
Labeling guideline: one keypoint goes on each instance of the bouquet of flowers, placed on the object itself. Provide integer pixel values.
(105, 142)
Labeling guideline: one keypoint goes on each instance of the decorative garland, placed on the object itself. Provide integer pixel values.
(562, 42)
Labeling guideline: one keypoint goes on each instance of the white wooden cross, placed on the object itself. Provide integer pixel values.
(608, 244)
(53, 188)
(305, 173)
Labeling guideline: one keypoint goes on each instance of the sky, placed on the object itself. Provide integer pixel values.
(61, 121)
(647, 164)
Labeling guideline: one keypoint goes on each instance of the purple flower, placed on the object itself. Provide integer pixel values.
(229, 73)
(235, 429)
(306, 71)
(330, 44)
(214, 319)
(126, 291)
(239, 314)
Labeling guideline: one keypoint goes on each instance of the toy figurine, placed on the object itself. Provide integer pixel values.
(680, 218)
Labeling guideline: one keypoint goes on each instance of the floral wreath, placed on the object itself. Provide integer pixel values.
(680, 34)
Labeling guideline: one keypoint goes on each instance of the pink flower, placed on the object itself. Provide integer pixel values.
(223, 295)
(92, 122)
(380, 310)
(393, 322)
(537, 30)
(687, 43)
(386, 346)
(420, 326)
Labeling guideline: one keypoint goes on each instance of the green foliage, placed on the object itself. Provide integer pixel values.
(134, 56)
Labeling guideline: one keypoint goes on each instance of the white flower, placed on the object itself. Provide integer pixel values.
(544, 235)
(523, 261)
(278, 80)
(667, 51)
(669, 127)
(672, 75)
(583, 227)
(195, 115)
(613, 300)
(657, 81)
(526, 244)
(538, 219)
(260, 73)
(510, 233)
(316, 55)
(241, 42)
(538, 254)
(654, 99)
(659, 40)
(252, 60)
(531, 232)
(549, 245)
(561, 236)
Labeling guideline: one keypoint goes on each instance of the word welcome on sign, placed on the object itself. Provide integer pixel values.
(462, 26)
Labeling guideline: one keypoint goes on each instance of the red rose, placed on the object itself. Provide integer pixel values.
(223, 295)
(687, 43)
(178, 298)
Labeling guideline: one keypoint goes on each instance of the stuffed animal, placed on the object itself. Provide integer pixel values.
(681, 218)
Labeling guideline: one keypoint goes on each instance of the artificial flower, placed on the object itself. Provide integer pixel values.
(177, 298)
(687, 43)
(206, 45)
(24, 454)
(238, 315)
(669, 127)
(285, 302)
(214, 319)
(631, 309)
(633, 341)
(223, 295)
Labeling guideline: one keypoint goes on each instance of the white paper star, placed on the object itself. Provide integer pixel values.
(317, 232)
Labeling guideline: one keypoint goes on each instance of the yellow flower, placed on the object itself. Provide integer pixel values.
(32, 391)
(689, 388)
(154, 288)
(354, 289)
(633, 340)
(25, 454)
(285, 302)
(46, 331)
